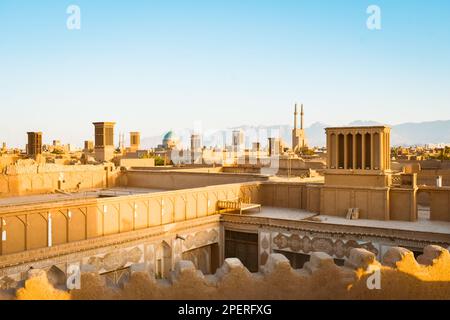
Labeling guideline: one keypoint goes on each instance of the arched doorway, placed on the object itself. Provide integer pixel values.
(163, 263)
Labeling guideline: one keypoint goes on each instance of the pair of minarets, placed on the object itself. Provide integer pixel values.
(296, 117)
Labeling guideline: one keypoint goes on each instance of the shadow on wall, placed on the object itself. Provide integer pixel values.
(362, 277)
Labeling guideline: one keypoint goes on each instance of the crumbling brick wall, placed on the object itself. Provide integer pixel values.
(400, 276)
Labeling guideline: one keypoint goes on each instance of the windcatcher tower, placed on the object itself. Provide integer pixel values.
(135, 141)
(104, 141)
(34, 146)
(359, 177)
(358, 154)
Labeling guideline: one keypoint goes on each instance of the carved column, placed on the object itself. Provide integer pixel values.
(49, 229)
(388, 149)
(354, 151)
(363, 150)
(372, 153)
(336, 156)
(328, 150)
(381, 151)
(345, 151)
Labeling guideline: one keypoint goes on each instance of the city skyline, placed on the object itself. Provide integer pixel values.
(141, 65)
(221, 137)
(225, 150)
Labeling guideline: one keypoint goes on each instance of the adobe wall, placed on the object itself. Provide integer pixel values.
(249, 169)
(135, 162)
(384, 203)
(403, 204)
(45, 178)
(26, 227)
(284, 195)
(430, 169)
(112, 253)
(355, 179)
(183, 179)
(293, 167)
(440, 204)
(301, 164)
(373, 203)
(428, 176)
(398, 276)
(185, 168)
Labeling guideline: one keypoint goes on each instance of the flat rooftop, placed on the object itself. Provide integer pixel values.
(56, 197)
(422, 225)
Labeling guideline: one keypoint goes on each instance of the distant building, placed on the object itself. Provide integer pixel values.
(256, 146)
(275, 146)
(196, 148)
(298, 134)
(88, 146)
(135, 141)
(238, 141)
(170, 140)
(104, 141)
(34, 146)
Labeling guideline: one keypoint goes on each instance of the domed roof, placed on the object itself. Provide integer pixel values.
(170, 136)
(170, 140)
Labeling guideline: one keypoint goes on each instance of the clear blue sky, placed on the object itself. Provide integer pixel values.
(155, 65)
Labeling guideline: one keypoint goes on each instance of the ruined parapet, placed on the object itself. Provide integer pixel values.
(430, 253)
(317, 261)
(361, 259)
(185, 271)
(320, 278)
(231, 266)
(395, 255)
(234, 281)
(276, 262)
(186, 282)
(37, 287)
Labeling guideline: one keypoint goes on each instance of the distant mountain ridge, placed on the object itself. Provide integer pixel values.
(405, 134)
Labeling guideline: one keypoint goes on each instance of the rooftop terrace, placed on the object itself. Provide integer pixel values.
(65, 196)
(286, 214)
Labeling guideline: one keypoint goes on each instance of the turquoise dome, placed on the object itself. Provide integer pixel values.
(169, 136)
(170, 139)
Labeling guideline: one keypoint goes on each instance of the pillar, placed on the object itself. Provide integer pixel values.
(382, 151)
(354, 151)
(336, 156)
(388, 152)
(345, 152)
(363, 150)
(328, 151)
(49, 230)
(372, 152)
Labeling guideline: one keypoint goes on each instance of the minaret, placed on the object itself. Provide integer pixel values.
(295, 117)
(301, 117)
